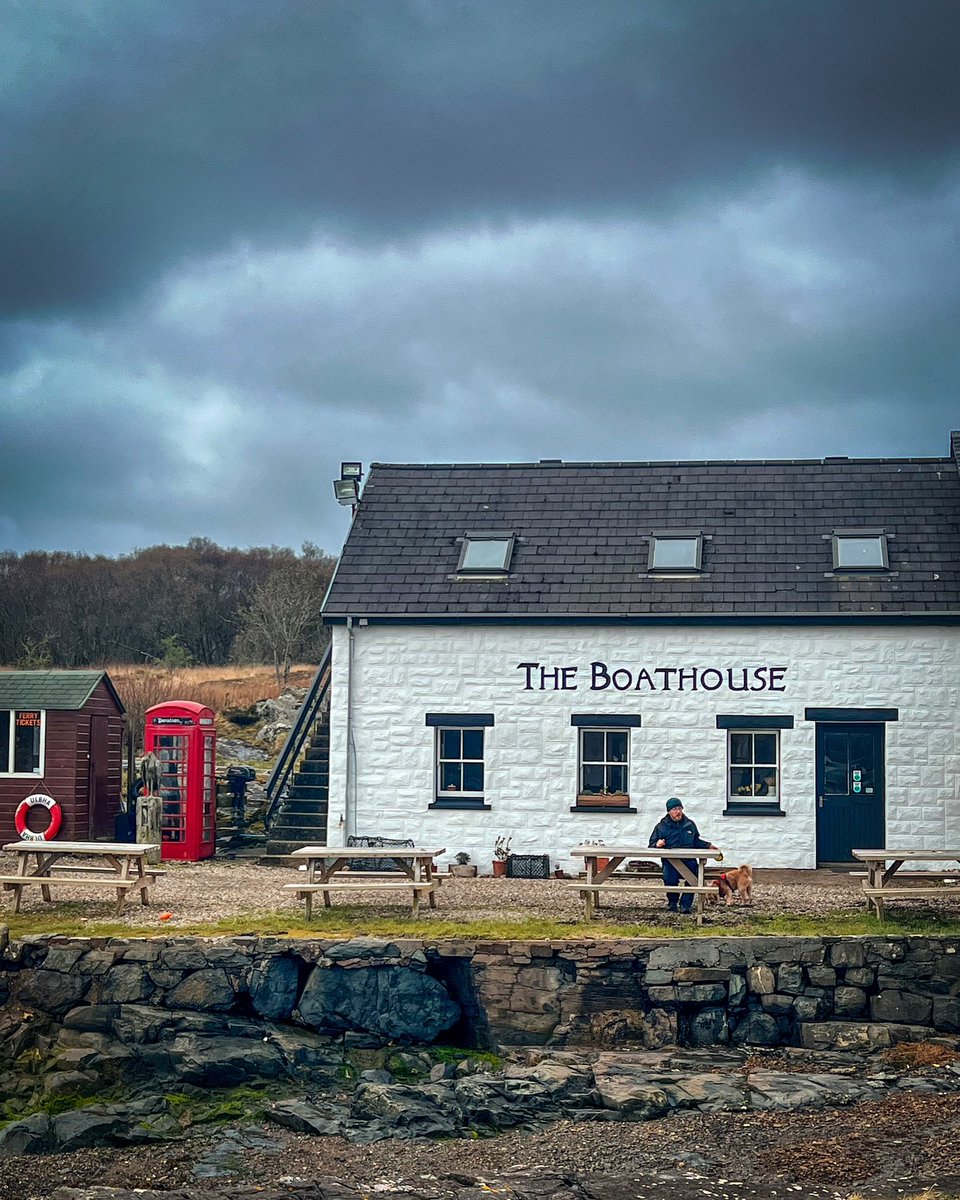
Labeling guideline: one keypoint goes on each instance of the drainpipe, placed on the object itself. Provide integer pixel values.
(349, 774)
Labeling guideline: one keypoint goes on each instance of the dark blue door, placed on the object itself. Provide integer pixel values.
(850, 808)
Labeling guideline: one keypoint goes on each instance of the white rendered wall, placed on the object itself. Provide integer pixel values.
(385, 784)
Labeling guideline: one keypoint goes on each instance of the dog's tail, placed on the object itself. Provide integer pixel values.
(746, 867)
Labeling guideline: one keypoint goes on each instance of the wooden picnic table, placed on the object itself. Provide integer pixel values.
(328, 869)
(603, 879)
(119, 866)
(884, 868)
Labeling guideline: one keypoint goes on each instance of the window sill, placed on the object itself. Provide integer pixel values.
(753, 809)
(601, 808)
(472, 805)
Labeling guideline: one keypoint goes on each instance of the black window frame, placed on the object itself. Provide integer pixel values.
(606, 724)
(461, 723)
(753, 804)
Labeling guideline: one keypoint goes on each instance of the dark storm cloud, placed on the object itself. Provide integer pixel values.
(241, 241)
(140, 134)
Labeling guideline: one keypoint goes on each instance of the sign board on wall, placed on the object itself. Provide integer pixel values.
(601, 677)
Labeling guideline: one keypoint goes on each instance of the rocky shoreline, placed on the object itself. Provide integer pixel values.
(309, 1069)
(896, 1146)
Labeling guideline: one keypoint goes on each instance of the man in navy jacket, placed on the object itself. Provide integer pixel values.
(672, 832)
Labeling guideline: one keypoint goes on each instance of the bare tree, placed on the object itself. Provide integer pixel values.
(282, 616)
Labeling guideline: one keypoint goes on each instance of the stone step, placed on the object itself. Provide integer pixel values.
(298, 821)
(318, 778)
(302, 791)
(291, 804)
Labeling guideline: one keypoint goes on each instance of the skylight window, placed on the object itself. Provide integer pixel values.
(675, 551)
(860, 550)
(486, 553)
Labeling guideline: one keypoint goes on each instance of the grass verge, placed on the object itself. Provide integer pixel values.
(344, 921)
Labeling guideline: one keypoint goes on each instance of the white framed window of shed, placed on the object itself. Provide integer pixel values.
(459, 758)
(22, 738)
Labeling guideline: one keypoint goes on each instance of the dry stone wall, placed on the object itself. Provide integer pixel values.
(817, 992)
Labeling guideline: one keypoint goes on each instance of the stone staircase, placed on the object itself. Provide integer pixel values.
(301, 815)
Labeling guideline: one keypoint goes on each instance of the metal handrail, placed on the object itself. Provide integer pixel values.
(299, 732)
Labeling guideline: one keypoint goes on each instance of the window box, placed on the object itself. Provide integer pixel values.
(601, 801)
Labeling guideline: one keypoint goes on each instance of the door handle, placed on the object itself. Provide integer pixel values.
(820, 799)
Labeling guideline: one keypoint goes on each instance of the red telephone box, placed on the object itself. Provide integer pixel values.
(183, 736)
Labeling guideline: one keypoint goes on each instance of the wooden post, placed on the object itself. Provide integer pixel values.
(148, 825)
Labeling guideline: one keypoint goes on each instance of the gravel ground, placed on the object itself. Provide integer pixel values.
(213, 889)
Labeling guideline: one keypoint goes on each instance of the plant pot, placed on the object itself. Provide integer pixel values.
(464, 870)
(499, 867)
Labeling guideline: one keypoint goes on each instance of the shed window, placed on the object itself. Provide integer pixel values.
(486, 553)
(860, 550)
(678, 550)
(21, 741)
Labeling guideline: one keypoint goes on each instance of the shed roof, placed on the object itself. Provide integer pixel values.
(52, 689)
(583, 532)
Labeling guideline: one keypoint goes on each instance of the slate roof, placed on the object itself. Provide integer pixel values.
(583, 535)
(51, 689)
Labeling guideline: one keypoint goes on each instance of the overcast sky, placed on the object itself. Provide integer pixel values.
(241, 241)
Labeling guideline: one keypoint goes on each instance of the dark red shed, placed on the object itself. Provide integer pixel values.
(61, 733)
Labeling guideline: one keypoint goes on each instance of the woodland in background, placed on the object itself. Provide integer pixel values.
(174, 606)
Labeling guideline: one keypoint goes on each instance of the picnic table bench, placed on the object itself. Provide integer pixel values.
(328, 870)
(601, 880)
(884, 880)
(123, 868)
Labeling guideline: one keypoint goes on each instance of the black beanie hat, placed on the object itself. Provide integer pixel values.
(673, 802)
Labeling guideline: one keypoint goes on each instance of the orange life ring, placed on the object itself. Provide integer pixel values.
(42, 801)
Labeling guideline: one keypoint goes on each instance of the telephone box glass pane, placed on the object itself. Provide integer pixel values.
(171, 750)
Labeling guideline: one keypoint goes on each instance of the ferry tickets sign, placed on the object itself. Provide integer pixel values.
(602, 677)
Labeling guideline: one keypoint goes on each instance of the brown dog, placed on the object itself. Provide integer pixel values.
(738, 881)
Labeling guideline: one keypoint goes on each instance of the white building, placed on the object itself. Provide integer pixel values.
(547, 652)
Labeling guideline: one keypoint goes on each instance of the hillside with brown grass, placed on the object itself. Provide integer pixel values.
(222, 688)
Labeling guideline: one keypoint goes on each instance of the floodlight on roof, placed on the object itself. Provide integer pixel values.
(346, 491)
(351, 470)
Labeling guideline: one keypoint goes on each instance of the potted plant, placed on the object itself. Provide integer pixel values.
(462, 866)
(501, 851)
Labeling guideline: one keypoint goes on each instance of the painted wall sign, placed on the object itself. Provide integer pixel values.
(537, 677)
